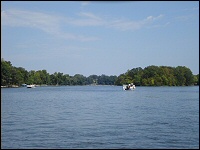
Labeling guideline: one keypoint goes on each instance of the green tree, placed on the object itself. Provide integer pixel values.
(120, 79)
(145, 82)
(6, 75)
(189, 77)
(66, 79)
(17, 77)
(24, 74)
(149, 76)
(184, 76)
(92, 79)
(37, 79)
(79, 79)
(44, 76)
(31, 75)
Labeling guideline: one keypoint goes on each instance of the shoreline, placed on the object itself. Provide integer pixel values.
(16, 86)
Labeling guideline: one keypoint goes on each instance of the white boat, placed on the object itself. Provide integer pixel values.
(129, 87)
(30, 86)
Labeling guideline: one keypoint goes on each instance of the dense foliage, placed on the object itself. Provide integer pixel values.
(149, 76)
(11, 75)
(159, 76)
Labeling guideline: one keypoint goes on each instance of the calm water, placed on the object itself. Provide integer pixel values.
(100, 117)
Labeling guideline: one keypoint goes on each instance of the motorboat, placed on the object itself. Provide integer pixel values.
(30, 86)
(129, 87)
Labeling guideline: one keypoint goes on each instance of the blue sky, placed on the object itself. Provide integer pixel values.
(82, 37)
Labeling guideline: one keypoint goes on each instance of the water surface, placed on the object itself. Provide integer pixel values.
(100, 117)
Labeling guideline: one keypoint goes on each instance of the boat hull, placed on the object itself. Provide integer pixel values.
(30, 86)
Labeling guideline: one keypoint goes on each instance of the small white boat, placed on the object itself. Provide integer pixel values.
(30, 86)
(129, 87)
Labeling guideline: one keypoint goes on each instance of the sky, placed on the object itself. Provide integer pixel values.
(99, 37)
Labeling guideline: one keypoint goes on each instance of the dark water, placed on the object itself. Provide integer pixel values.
(100, 117)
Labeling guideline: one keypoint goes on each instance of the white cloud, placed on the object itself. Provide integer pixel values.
(48, 23)
(90, 19)
(89, 15)
(86, 19)
(133, 25)
(38, 20)
(151, 18)
(51, 24)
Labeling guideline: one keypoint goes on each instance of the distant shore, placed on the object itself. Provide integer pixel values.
(16, 86)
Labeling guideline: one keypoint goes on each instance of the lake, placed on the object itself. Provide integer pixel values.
(100, 117)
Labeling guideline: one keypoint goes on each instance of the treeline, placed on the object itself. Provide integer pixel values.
(149, 76)
(159, 76)
(11, 75)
